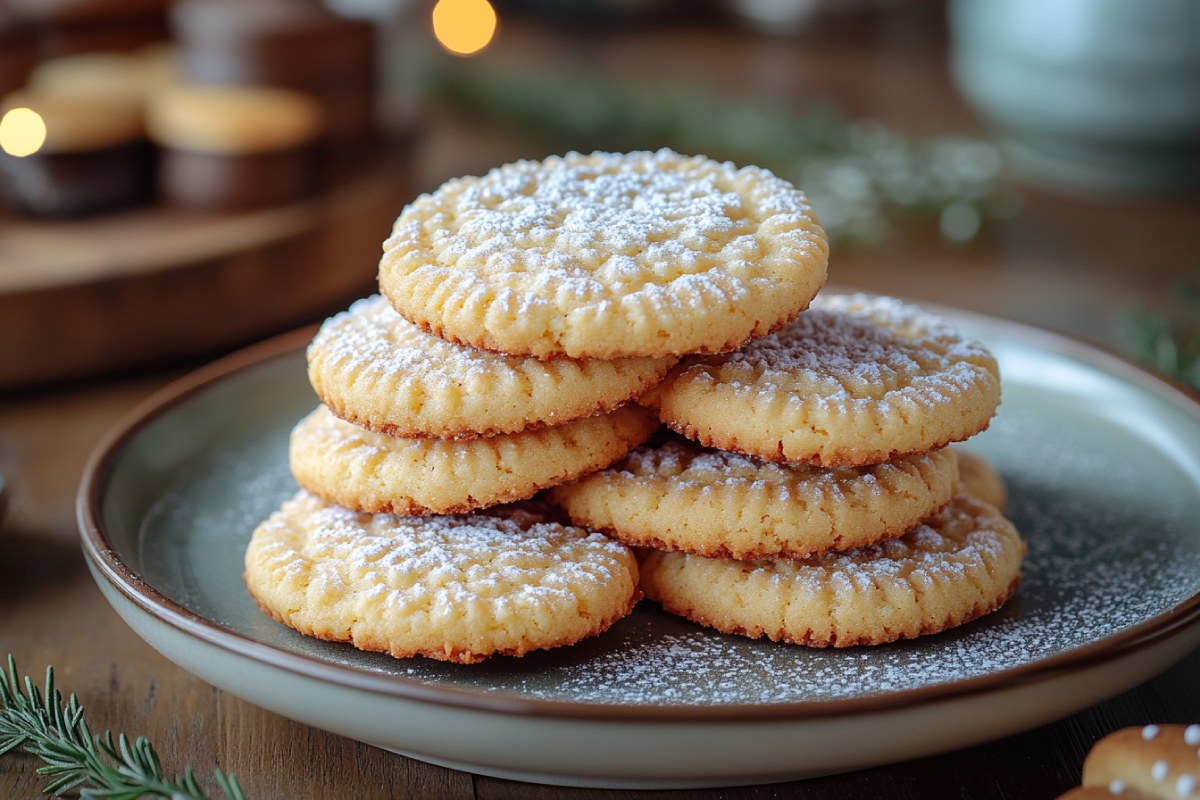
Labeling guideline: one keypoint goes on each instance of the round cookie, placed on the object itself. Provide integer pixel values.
(374, 368)
(233, 120)
(1154, 761)
(366, 471)
(680, 496)
(458, 588)
(979, 478)
(961, 564)
(854, 380)
(119, 77)
(606, 256)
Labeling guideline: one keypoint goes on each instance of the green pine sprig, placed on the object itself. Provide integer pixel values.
(860, 175)
(98, 767)
(1169, 343)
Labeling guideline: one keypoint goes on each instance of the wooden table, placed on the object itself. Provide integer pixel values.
(155, 284)
(1065, 264)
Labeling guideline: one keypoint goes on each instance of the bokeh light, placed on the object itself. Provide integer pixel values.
(464, 27)
(22, 132)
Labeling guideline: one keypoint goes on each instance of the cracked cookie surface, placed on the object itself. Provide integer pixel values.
(681, 496)
(455, 588)
(961, 564)
(374, 368)
(367, 471)
(854, 380)
(606, 255)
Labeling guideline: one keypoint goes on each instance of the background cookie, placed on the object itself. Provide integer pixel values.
(606, 256)
(961, 564)
(681, 496)
(1090, 793)
(854, 380)
(1154, 761)
(366, 471)
(374, 368)
(458, 588)
(979, 478)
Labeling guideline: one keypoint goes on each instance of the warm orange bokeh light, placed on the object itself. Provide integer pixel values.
(22, 132)
(464, 27)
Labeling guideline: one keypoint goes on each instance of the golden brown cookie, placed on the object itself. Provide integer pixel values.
(1154, 761)
(606, 256)
(1093, 793)
(366, 471)
(681, 496)
(458, 588)
(854, 380)
(121, 77)
(374, 368)
(233, 120)
(979, 478)
(961, 564)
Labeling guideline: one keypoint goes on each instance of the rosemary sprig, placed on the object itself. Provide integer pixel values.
(860, 175)
(1169, 343)
(99, 767)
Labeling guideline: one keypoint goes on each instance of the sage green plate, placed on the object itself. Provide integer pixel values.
(1102, 462)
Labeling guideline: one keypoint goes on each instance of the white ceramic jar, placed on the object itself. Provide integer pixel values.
(1090, 94)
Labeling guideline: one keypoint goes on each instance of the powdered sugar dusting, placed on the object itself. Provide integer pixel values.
(370, 342)
(370, 339)
(606, 255)
(438, 560)
(603, 220)
(375, 368)
(583, 231)
(856, 347)
(1108, 520)
(688, 465)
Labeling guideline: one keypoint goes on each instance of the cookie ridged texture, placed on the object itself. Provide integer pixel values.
(456, 588)
(366, 471)
(977, 477)
(606, 256)
(682, 497)
(854, 380)
(374, 368)
(963, 563)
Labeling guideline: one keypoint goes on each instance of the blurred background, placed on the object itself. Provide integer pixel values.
(182, 178)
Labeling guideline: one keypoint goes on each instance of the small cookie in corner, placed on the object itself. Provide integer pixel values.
(1149, 762)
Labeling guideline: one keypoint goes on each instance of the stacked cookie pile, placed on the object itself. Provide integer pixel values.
(523, 313)
(813, 499)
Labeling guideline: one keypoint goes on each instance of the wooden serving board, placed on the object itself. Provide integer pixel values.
(94, 296)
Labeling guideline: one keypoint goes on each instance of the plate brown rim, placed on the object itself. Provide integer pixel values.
(89, 508)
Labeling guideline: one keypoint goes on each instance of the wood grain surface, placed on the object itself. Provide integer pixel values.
(1064, 263)
(146, 286)
(53, 613)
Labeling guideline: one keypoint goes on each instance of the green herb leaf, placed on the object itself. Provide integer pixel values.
(1166, 339)
(859, 175)
(101, 768)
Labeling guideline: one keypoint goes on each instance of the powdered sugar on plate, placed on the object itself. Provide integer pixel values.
(1108, 513)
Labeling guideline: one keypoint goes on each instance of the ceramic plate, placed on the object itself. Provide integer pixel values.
(1102, 461)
